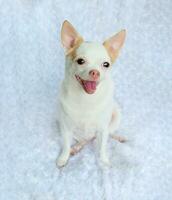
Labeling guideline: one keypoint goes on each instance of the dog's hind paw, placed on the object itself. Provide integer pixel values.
(105, 162)
(119, 138)
(76, 148)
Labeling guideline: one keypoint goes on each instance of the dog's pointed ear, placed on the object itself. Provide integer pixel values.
(114, 44)
(69, 36)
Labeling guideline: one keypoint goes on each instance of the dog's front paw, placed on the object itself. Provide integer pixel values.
(105, 162)
(61, 162)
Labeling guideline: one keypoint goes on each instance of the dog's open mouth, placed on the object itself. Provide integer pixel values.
(88, 86)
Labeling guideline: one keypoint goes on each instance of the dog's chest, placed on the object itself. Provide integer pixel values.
(86, 122)
(85, 114)
(83, 131)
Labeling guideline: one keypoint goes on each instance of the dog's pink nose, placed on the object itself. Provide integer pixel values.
(95, 74)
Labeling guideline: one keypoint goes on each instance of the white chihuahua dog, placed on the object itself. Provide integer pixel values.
(87, 108)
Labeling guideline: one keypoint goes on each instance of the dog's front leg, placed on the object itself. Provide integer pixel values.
(103, 139)
(64, 156)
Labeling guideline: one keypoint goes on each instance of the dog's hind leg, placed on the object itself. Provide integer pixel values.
(79, 146)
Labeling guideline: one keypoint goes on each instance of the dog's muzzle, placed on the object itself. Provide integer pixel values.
(87, 85)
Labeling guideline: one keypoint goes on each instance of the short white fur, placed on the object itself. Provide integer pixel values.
(83, 116)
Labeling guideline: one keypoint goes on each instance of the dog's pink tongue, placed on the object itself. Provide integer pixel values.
(90, 86)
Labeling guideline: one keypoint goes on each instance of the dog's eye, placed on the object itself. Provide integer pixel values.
(106, 64)
(80, 61)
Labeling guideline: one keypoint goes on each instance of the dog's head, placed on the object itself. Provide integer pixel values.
(89, 63)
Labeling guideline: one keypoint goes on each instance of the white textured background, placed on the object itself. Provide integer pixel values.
(31, 68)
